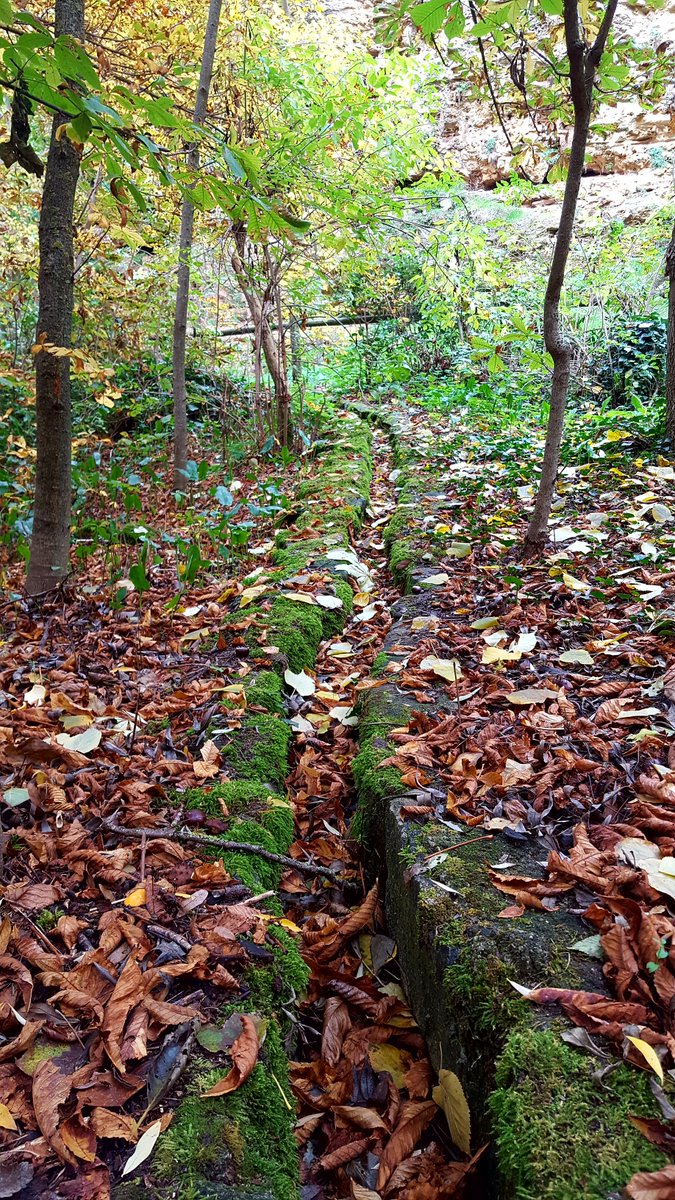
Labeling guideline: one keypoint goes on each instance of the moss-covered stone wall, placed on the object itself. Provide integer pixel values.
(241, 1145)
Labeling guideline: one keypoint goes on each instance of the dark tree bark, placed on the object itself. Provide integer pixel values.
(670, 352)
(50, 542)
(583, 61)
(187, 218)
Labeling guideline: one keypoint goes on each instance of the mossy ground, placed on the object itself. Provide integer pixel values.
(245, 1138)
(560, 1133)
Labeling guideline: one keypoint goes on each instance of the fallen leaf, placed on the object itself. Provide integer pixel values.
(83, 743)
(652, 1185)
(649, 1054)
(577, 656)
(244, 1055)
(415, 1117)
(449, 1095)
(532, 695)
(6, 1119)
(301, 682)
(446, 668)
(144, 1148)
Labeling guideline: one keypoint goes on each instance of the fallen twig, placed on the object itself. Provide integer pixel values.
(202, 839)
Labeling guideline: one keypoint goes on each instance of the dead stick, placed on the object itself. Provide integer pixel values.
(141, 869)
(485, 837)
(200, 839)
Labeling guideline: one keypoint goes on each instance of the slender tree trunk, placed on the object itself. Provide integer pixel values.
(50, 541)
(583, 62)
(187, 219)
(275, 358)
(670, 352)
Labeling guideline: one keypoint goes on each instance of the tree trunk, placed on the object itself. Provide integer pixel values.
(583, 62)
(50, 541)
(187, 218)
(670, 352)
(275, 359)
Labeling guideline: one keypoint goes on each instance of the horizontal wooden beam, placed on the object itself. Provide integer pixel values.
(314, 323)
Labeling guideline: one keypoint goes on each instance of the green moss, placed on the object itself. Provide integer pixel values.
(258, 874)
(239, 795)
(266, 692)
(244, 1138)
(294, 556)
(297, 630)
(258, 750)
(379, 665)
(560, 1133)
(277, 985)
(374, 786)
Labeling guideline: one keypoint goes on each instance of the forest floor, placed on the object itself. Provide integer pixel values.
(382, 641)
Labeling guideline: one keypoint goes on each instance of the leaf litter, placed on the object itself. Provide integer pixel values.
(113, 958)
(569, 741)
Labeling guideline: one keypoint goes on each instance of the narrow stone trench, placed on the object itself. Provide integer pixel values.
(363, 1062)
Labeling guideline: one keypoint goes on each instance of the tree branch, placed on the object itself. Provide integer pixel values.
(217, 843)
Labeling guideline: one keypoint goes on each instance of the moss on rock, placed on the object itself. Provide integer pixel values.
(258, 750)
(245, 1138)
(560, 1133)
(266, 692)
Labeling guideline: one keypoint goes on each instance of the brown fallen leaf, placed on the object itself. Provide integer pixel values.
(32, 896)
(344, 1154)
(418, 1079)
(107, 1124)
(22, 1042)
(656, 1132)
(362, 1118)
(51, 1089)
(79, 1137)
(362, 917)
(415, 1117)
(336, 1025)
(126, 994)
(244, 1055)
(652, 1185)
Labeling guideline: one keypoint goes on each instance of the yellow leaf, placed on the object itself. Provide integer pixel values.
(250, 594)
(493, 654)
(446, 668)
(449, 1095)
(136, 898)
(649, 1054)
(575, 585)
(6, 1119)
(392, 1060)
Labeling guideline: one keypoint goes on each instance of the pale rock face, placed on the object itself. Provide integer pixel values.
(639, 144)
(357, 13)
